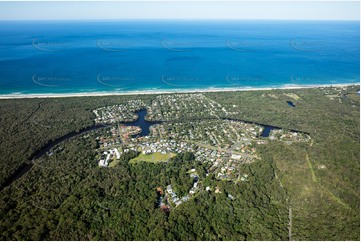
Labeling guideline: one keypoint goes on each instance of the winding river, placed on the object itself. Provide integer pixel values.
(141, 121)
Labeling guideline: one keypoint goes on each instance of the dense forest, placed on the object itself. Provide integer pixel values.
(66, 196)
(76, 200)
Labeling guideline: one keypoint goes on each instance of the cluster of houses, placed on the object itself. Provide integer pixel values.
(105, 141)
(219, 161)
(195, 177)
(219, 133)
(336, 93)
(118, 113)
(107, 156)
(223, 144)
(228, 170)
(170, 107)
(173, 198)
(335, 90)
(127, 132)
(117, 135)
(244, 177)
(288, 136)
(165, 146)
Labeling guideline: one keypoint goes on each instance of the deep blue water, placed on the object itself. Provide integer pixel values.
(291, 104)
(85, 56)
(142, 123)
(267, 130)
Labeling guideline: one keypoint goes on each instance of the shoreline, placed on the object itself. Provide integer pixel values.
(171, 91)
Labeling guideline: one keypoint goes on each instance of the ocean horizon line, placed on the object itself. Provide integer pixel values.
(172, 19)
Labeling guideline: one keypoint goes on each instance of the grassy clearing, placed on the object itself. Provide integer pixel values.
(314, 178)
(292, 95)
(113, 163)
(337, 199)
(314, 205)
(311, 168)
(152, 158)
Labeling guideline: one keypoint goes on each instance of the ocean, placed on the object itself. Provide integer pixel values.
(61, 57)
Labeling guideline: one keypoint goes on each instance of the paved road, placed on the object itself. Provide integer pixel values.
(221, 149)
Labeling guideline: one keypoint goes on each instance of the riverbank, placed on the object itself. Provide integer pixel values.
(152, 91)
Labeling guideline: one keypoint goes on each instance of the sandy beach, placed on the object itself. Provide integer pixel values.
(149, 92)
